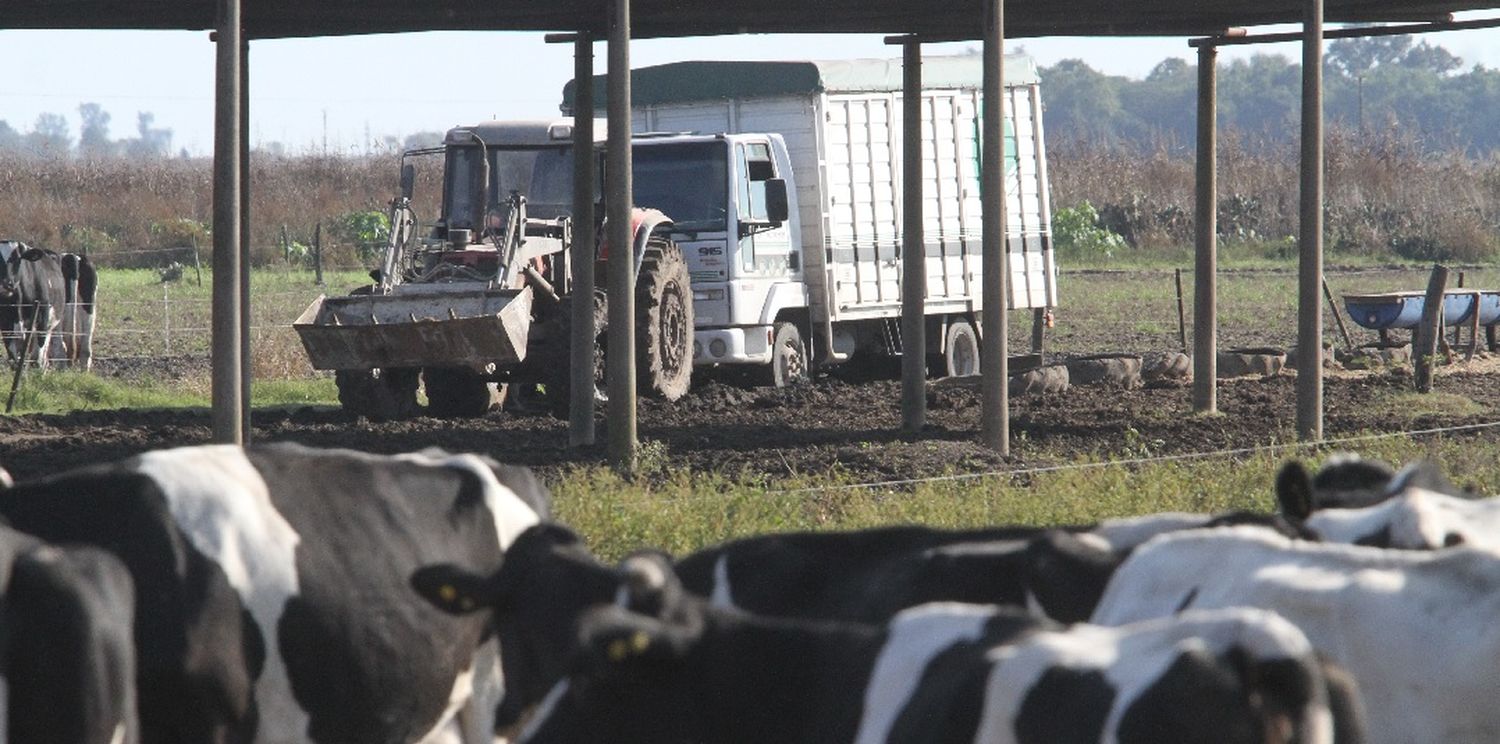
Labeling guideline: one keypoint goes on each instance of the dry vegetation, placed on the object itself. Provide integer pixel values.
(1386, 195)
(124, 212)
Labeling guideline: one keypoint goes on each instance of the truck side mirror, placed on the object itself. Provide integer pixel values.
(408, 179)
(776, 200)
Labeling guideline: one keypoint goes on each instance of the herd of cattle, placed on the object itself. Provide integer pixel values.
(286, 594)
(46, 301)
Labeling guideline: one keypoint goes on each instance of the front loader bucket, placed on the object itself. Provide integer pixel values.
(469, 328)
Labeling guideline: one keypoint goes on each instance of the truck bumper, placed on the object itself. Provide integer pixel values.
(746, 345)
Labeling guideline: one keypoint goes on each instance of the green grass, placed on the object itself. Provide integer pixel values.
(688, 511)
(138, 314)
(59, 392)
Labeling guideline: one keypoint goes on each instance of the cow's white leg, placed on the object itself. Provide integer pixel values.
(84, 355)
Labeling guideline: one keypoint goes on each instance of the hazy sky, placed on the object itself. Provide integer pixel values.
(355, 90)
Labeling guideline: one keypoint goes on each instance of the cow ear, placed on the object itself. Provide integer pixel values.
(452, 589)
(1294, 491)
(33, 254)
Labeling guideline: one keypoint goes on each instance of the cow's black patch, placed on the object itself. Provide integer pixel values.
(1197, 700)
(367, 525)
(1065, 705)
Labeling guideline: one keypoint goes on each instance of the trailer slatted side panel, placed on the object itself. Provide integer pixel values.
(845, 149)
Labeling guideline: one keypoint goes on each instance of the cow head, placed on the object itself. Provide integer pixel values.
(1345, 480)
(545, 582)
(627, 682)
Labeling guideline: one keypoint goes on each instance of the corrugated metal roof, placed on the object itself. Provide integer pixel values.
(950, 19)
(681, 82)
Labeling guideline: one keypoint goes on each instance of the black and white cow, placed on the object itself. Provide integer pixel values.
(1415, 519)
(1417, 508)
(32, 299)
(943, 672)
(549, 579)
(1416, 628)
(1348, 481)
(54, 295)
(67, 663)
(274, 604)
(80, 293)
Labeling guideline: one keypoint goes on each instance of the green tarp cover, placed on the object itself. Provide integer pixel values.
(682, 82)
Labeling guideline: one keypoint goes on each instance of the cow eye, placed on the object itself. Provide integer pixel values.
(1452, 539)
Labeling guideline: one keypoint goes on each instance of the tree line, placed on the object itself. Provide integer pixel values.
(52, 136)
(1376, 84)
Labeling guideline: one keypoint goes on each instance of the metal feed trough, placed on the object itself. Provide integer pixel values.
(471, 328)
(1403, 310)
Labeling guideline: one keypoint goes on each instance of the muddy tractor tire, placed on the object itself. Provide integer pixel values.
(458, 392)
(558, 376)
(378, 394)
(789, 365)
(664, 322)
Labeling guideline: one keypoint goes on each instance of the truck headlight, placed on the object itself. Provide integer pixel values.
(707, 295)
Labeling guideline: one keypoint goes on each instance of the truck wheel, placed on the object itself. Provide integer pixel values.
(961, 349)
(664, 322)
(788, 357)
(457, 392)
(557, 376)
(378, 394)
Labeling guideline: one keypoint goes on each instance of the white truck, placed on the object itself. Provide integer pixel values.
(829, 133)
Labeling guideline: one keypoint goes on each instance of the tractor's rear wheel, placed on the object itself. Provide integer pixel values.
(458, 392)
(378, 394)
(559, 379)
(664, 321)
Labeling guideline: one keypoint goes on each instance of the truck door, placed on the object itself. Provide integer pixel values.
(766, 253)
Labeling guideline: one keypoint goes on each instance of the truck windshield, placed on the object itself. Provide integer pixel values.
(688, 181)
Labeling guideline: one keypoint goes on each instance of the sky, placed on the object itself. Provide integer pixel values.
(345, 94)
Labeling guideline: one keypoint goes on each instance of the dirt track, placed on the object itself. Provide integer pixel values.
(809, 429)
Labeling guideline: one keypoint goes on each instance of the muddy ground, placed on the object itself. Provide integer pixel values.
(829, 425)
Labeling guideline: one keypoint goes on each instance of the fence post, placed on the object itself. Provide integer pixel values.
(166, 319)
(286, 246)
(197, 264)
(318, 254)
(15, 383)
(1424, 345)
(1181, 313)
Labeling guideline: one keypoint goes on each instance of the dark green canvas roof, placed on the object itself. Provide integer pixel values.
(681, 82)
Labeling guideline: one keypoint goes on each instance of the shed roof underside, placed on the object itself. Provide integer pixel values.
(937, 19)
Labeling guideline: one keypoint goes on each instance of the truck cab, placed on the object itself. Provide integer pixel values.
(731, 198)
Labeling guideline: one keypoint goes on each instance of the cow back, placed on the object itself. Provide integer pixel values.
(70, 658)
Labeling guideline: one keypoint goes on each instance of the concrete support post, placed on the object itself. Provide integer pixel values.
(994, 415)
(581, 351)
(913, 254)
(228, 412)
(1205, 249)
(621, 268)
(1310, 266)
(247, 372)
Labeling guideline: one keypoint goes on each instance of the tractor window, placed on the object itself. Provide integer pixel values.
(687, 181)
(459, 207)
(544, 177)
